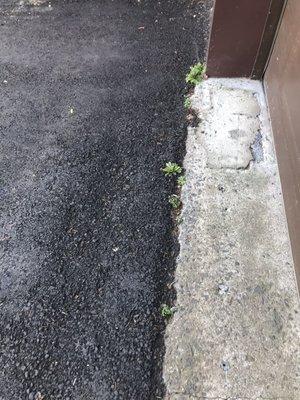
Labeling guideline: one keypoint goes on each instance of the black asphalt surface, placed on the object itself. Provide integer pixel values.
(90, 111)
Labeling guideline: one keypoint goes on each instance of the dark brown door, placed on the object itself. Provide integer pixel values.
(282, 82)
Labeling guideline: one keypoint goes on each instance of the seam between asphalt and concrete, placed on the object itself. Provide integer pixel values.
(235, 334)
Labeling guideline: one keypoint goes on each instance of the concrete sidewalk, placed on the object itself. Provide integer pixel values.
(235, 334)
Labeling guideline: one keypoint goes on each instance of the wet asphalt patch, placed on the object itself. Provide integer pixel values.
(91, 109)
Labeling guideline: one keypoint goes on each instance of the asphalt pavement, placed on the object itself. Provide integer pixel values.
(91, 108)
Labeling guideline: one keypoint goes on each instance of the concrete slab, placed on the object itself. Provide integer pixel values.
(236, 331)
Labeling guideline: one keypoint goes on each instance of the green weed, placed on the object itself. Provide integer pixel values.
(175, 201)
(171, 169)
(181, 180)
(179, 220)
(166, 311)
(196, 74)
(187, 102)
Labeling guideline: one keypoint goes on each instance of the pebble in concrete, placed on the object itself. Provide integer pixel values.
(235, 334)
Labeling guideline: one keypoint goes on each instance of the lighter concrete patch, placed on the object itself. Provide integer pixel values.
(236, 331)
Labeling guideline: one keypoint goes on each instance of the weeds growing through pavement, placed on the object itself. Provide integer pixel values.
(166, 311)
(187, 102)
(181, 180)
(175, 201)
(171, 169)
(196, 74)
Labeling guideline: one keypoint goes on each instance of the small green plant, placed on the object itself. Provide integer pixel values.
(166, 311)
(181, 180)
(187, 102)
(175, 201)
(179, 220)
(196, 74)
(171, 169)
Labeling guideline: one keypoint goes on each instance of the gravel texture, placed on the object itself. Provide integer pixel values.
(91, 109)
